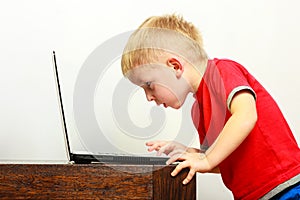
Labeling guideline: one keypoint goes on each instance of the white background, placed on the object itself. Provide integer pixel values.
(263, 35)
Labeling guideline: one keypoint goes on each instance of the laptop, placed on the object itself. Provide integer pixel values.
(108, 158)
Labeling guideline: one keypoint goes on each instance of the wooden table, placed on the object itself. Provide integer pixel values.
(93, 181)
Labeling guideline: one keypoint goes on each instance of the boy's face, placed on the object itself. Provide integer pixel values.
(161, 84)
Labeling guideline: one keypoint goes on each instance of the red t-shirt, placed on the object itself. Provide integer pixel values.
(269, 155)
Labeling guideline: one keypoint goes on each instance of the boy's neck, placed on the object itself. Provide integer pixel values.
(196, 76)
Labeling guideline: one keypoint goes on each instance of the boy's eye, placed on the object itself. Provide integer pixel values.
(148, 84)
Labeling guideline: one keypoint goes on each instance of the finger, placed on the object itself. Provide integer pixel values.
(154, 146)
(150, 143)
(167, 148)
(163, 149)
(178, 168)
(151, 148)
(161, 142)
(170, 161)
(174, 158)
(189, 177)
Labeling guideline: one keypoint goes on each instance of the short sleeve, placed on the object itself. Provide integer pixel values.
(233, 78)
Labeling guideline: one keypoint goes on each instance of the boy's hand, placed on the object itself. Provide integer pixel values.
(169, 148)
(196, 162)
(189, 157)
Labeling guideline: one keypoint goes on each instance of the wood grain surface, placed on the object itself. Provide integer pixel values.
(92, 181)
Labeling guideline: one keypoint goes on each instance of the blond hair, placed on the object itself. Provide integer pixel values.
(159, 34)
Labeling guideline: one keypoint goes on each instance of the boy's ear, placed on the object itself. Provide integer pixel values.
(176, 65)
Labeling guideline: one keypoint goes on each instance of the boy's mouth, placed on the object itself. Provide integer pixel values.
(164, 104)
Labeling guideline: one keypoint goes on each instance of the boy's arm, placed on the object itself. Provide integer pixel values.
(236, 129)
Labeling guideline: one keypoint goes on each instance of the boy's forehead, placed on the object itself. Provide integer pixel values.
(141, 74)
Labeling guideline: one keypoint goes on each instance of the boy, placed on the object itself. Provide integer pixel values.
(243, 134)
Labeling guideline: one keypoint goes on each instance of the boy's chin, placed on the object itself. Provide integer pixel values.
(177, 106)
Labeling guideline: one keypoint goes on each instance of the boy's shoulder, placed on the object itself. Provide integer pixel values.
(224, 64)
(220, 61)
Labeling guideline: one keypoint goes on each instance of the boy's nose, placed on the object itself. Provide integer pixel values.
(149, 96)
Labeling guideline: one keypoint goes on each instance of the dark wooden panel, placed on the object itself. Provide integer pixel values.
(75, 182)
(171, 187)
(92, 181)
